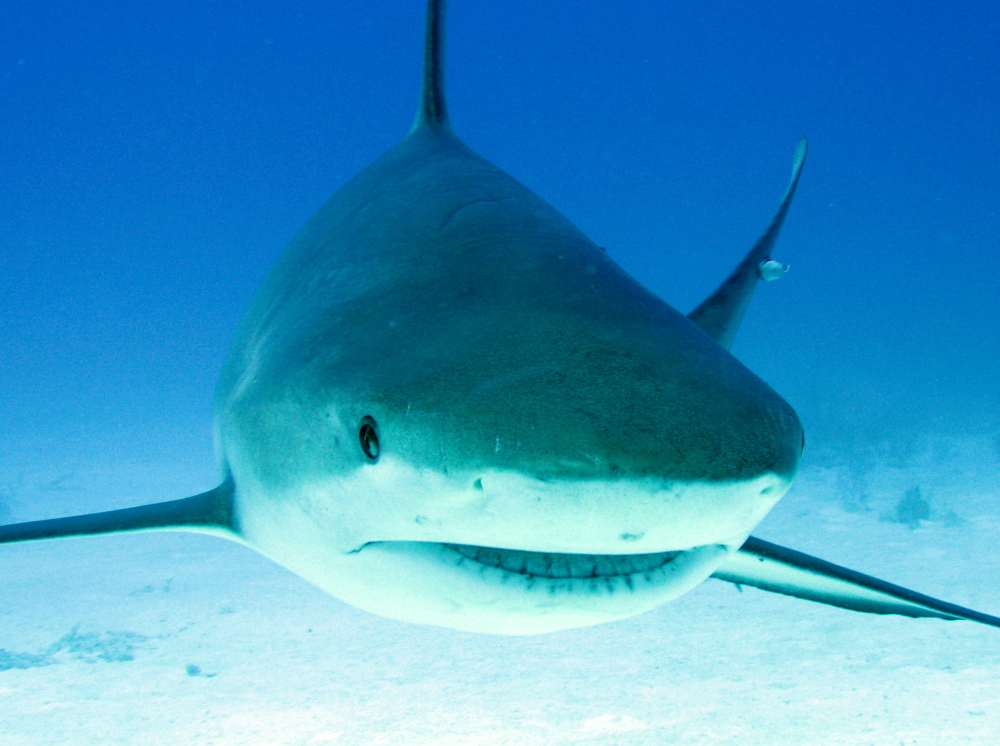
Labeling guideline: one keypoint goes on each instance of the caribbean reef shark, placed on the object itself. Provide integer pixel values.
(447, 405)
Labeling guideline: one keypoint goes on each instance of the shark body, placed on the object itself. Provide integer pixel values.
(447, 405)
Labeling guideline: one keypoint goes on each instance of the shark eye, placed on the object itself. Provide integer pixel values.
(368, 436)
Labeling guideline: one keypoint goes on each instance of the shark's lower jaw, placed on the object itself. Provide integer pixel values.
(512, 591)
(476, 588)
(561, 566)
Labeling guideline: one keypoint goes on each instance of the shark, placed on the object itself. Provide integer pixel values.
(446, 405)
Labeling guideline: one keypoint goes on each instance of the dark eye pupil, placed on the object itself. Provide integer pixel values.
(368, 436)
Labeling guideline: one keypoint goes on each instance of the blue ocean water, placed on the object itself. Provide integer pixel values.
(156, 157)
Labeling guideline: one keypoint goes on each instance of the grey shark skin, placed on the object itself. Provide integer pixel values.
(447, 405)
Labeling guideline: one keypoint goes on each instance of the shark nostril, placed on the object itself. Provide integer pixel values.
(478, 484)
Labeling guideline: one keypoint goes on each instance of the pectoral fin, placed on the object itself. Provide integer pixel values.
(770, 567)
(210, 512)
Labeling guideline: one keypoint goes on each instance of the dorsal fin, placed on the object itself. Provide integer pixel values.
(210, 512)
(432, 112)
(720, 313)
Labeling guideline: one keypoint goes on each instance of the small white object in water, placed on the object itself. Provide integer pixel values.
(771, 270)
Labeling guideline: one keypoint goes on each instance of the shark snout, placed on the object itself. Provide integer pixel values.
(511, 510)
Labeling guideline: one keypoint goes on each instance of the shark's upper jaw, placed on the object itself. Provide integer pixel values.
(395, 501)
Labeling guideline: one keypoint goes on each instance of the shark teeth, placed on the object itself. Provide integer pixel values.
(559, 566)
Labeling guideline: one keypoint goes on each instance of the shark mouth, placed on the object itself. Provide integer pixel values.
(559, 566)
(514, 591)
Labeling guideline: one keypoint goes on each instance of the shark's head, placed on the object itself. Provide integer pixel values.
(447, 405)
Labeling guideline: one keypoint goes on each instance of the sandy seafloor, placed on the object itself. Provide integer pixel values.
(187, 639)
